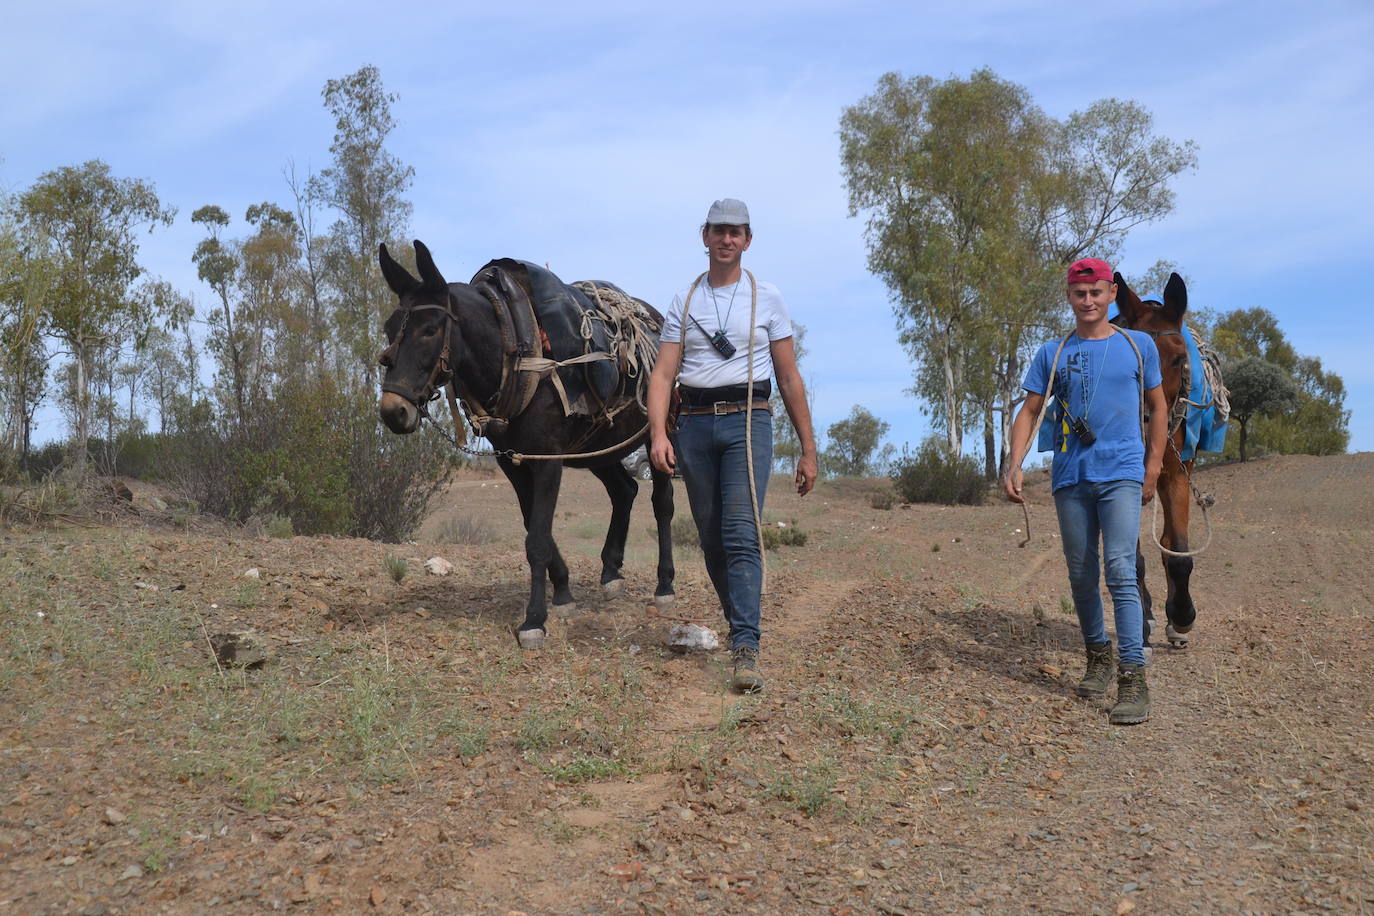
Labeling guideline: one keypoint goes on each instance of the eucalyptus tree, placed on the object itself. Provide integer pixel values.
(976, 200)
(25, 281)
(88, 221)
(365, 184)
(217, 265)
(942, 169)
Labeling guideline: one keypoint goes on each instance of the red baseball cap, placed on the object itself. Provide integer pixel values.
(1090, 270)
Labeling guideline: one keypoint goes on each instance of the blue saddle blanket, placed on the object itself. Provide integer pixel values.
(1204, 430)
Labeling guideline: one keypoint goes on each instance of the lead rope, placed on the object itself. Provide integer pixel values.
(748, 413)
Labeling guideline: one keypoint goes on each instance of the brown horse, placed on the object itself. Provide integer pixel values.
(1164, 322)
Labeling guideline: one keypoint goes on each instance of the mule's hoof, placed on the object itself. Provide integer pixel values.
(565, 610)
(1177, 639)
(664, 602)
(614, 588)
(531, 639)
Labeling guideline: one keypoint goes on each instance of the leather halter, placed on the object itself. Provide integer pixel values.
(441, 372)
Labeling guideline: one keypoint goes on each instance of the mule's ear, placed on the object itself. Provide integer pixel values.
(397, 277)
(1127, 302)
(1175, 297)
(429, 274)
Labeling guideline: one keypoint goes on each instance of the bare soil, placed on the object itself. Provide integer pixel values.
(918, 749)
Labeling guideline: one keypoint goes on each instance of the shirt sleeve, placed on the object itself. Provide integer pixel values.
(672, 322)
(1149, 355)
(779, 319)
(1038, 373)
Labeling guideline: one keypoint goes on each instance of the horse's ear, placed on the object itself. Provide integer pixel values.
(1175, 297)
(397, 277)
(428, 272)
(1127, 302)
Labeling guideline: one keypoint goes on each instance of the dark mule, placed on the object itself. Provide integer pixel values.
(432, 313)
(1165, 324)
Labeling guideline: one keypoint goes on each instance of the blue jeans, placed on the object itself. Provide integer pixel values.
(711, 455)
(1112, 511)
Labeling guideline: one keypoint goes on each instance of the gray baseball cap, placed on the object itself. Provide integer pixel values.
(728, 212)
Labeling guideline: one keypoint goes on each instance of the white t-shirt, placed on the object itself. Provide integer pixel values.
(702, 365)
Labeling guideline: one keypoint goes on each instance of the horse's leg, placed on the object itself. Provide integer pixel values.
(663, 517)
(564, 605)
(1178, 607)
(622, 489)
(1146, 602)
(536, 488)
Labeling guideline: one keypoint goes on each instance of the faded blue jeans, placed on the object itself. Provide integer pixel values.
(711, 455)
(1109, 511)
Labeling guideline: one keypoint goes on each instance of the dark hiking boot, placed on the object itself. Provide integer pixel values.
(746, 678)
(1132, 697)
(1098, 677)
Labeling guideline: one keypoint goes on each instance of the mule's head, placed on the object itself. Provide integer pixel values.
(1161, 320)
(420, 336)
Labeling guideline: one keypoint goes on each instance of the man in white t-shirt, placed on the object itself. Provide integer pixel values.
(725, 338)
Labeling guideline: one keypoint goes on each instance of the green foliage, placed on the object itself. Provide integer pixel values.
(852, 443)
(788, 535)
(932, 476)
(85, 222)
(1258, 387)
(976, 200)
(1314, 421)
(396, 567)
(883, 499)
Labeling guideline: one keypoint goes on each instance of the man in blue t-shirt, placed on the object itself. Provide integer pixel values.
(1098, 380)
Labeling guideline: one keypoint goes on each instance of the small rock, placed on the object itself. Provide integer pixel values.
(1124, 907)
(377, 897)
(683, 637)
(158, 503)
(438, 566)
(146, 586)
(133, 871)
(253, 573)
(239, 649)
(114, 817)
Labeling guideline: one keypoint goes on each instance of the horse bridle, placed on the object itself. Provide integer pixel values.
(442, 371)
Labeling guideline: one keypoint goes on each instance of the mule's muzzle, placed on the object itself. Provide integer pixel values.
(399, 414)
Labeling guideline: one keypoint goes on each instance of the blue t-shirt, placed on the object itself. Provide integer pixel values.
(1099, 382)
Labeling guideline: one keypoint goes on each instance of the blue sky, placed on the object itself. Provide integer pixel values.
(594, 137)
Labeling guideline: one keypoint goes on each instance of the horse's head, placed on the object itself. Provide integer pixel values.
(1162, 321)
(420, 336)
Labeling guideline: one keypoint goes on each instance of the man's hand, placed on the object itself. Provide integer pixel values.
(807, 468)
(661, 455)
(1147, 489)
(1011, 485)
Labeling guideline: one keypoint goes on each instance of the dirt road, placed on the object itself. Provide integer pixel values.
(919, 748)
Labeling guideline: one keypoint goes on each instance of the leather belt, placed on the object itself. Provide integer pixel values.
(721, 408)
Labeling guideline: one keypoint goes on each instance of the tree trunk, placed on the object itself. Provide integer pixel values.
(989, 445)
(1242, 440)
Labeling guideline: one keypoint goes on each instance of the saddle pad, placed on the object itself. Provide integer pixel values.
(565, 314)
(1204, 428)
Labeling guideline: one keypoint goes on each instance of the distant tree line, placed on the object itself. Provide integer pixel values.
(287, 426)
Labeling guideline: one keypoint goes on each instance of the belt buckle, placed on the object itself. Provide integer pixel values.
(721, 408)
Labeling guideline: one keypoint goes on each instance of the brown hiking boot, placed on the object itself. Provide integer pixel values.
(1132, 697)
(1099, 674)
(746, 678)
